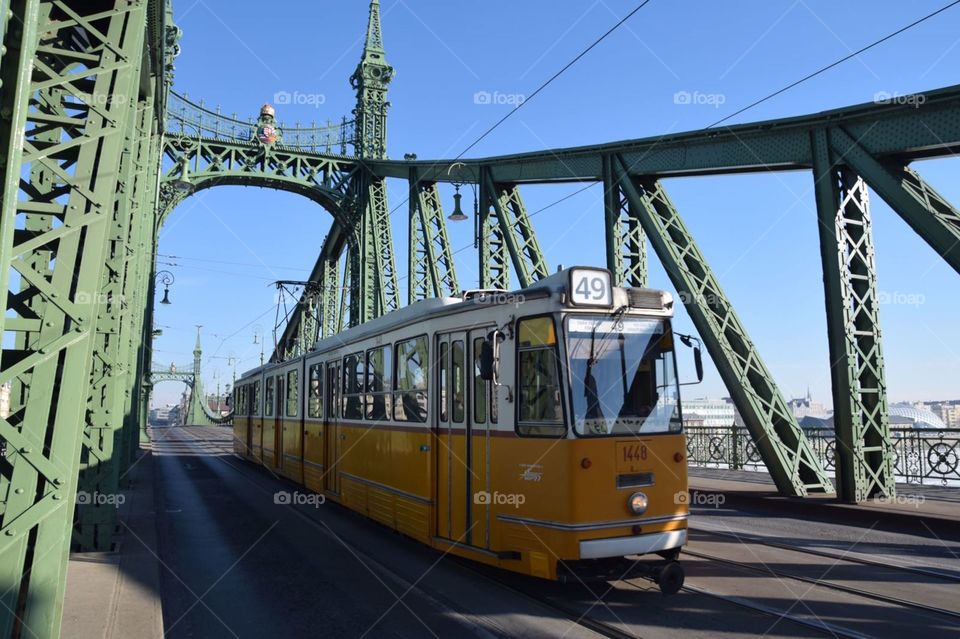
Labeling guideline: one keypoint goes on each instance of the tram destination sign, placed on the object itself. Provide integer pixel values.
(590, 287)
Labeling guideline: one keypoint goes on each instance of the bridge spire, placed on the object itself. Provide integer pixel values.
(374, 35)
(370, 81)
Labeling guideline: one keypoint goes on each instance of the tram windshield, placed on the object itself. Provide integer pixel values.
(623, 376)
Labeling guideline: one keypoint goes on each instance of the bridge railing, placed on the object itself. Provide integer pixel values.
(188, 118)
(921, 456)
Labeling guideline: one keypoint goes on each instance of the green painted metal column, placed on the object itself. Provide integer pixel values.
(431, 271)
(100, 460)
(91, 51)
(788, 455)
(517, 231)
(626, 243)
(494, 266)
(861, 420)
(919, 204)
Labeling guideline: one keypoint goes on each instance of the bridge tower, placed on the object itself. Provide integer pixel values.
(371, 266)
(371, 80)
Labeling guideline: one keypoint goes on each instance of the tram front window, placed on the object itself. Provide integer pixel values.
(623, 376)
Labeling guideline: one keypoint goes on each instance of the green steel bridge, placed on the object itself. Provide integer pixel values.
(98, 149)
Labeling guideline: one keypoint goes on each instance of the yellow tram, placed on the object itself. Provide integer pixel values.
(538, 431)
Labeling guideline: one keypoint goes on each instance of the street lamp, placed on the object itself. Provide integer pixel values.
(166, 278)
(182, 182)
(458, 215)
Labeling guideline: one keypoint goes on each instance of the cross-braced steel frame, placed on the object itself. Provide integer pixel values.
(89, 175)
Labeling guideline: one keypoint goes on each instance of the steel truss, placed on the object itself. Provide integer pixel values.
(431, 271)
(789, 457)
(71, 96)
(861, 420)
(626, 243)
(516, 233)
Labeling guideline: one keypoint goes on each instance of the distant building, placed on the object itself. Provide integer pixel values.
(806, 407)
(916, 417)
(948, 412)
(715, 413)
(692, 420)
(902, 416)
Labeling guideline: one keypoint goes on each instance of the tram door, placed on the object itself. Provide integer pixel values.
(481, 415)
(455, 477)
(250, 411)
(278, 408)
(332, 441)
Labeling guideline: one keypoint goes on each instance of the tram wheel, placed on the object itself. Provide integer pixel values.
(670, 578)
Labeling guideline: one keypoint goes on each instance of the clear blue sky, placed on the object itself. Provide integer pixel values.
(758, 231)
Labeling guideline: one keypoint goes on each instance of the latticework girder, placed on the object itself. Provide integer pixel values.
(516, 230)
(72, 68)
(102, 458)
(787, 453)
(322, 178)
(626, 243)
(431, 271)
(861, 420)
(494, 265)
(926, 211)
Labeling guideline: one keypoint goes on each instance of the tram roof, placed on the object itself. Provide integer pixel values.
(437, 307)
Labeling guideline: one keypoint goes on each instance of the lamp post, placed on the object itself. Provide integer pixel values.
(458, 215)
(166, 278)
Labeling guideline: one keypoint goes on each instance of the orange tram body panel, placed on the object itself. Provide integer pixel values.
(538, 431)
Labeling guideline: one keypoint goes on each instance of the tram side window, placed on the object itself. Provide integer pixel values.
(256, 399)
(354, 377)
(293, 394)
(444, 381)
(479, 385)
(539, 406)
(315, 406)
(459, 382)
(268, 396)
(379, 384)
(410, 395)
(240, 402)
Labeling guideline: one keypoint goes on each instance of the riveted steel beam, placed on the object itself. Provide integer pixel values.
(494, 266)
(516, 230)
(787, 453)
(90, 53)
(864, 448)
(431, 271)
(626, 243)
(896, 130)
(926, 211)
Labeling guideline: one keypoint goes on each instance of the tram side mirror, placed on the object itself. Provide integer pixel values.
(227, 401)
(688, 340)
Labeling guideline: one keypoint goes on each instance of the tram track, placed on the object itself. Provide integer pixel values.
(595, 626)
(841, 556)
(564, 608)
(780, 574)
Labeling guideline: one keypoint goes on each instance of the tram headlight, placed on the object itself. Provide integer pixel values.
(637, 504)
